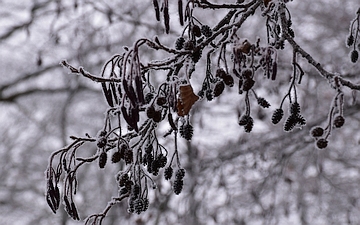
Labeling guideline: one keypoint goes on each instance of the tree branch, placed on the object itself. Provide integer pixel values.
(324, 73)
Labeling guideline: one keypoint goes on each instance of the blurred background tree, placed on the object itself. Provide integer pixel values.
(266, 177)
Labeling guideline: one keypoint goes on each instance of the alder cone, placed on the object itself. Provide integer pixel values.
(228, 80)
(322, 143)
(116, 157)
(161, 101)
(102, 160)
(277, 116)
(263, 103)
(339, 121)
(178, 186)
(220, 73)
(196, 30)
(150, 112)
(186, 100)
(187, 131)
(248, 84)
(206, 30)
(354, 56)
(350, 40)
(179, 44)
(168, 173)
(219, 88)
(295, 108)
(317, 132)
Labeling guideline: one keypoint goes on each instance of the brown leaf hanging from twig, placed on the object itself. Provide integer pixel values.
(186, 100)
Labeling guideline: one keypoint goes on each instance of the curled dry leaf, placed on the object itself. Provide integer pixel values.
(186, 100)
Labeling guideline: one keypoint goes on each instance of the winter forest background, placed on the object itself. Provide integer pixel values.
(267, 176)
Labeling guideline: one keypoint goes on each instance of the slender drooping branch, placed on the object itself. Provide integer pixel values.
(323, 72)
(137, 104)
